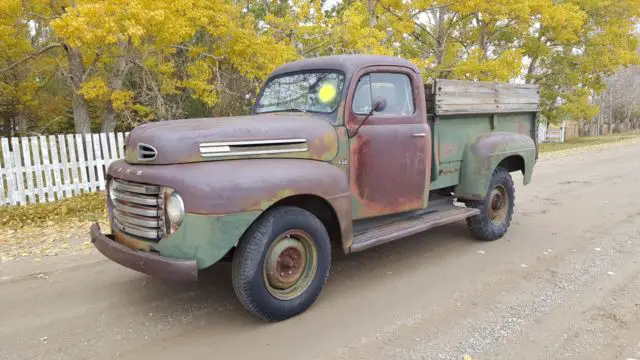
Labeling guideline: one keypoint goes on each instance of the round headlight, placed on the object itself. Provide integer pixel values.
(112, 188)
(175, 209)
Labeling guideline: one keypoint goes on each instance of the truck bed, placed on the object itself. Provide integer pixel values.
(461, 110)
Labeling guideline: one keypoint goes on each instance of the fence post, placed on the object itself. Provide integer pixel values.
(28, 171)
(45, 168)
(8, 167)
(18, 168)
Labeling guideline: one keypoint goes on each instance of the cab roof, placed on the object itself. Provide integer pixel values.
(348, 63)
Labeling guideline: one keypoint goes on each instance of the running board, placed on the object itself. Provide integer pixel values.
(387, 232)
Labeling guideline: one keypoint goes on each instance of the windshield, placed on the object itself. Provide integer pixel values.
(306, 92)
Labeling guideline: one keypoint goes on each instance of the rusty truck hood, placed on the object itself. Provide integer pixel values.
(283, 135)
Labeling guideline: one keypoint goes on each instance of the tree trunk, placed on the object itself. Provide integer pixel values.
(108, 118)
(81, 118)
(116, 80)
(372, 13)
(22, 124)
(483, 37)
(530, 70)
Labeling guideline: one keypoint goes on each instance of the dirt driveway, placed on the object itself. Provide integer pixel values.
(564, 284)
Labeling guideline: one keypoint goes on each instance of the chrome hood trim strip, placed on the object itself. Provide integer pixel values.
(252, 147)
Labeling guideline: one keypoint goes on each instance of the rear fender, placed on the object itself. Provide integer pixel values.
(484, 153)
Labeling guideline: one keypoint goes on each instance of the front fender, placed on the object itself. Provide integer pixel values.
(222, 198)
(484, 153)
(225, 187)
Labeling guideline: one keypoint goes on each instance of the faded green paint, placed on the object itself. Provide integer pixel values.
(435, 143)
(516, 123)
(455, 137)
(224, 198)
(455, 132)
(205, 238)
(340, 113)
(357, 208)
(341, 160)
(484, 153)
(131, 156)
(449, 175)
(284, 193)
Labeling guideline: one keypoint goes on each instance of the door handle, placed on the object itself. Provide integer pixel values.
(419, 135)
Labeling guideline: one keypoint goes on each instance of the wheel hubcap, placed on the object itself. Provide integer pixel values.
(498, 204)
(290, 264)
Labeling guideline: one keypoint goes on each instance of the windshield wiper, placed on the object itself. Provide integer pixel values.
(293, 110)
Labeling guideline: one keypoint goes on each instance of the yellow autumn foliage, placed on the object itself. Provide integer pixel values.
(121, 99)
(155, 31)
(95, 89)
(153, 59)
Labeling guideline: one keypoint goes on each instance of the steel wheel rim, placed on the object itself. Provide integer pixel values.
(498, 204)
(290, 265)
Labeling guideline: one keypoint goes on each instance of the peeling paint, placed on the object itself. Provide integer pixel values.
(386, 168)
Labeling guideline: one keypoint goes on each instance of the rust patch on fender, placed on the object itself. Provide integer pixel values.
(130, 242)
(325, 147)
(523, 127)
(342, 206)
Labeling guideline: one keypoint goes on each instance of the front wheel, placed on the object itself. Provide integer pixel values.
(496, 209)
(281, 263)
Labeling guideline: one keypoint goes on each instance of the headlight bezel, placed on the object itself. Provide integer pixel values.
(174, 204)
(111, 186)
(172, 198)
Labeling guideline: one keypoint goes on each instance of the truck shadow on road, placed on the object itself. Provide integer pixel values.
(212, 299)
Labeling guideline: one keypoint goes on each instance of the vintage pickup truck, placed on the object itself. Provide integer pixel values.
(341, 152)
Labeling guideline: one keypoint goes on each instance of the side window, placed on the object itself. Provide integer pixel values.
(362, 96)
(394, 88)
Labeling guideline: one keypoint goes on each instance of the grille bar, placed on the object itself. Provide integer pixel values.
(137, 199)
(148, 234)
(137, 188)
(138, 209)
(143, 221)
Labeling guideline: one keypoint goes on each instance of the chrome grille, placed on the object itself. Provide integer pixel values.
(138, 209)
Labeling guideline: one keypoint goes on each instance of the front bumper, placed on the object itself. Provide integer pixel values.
(143, 261)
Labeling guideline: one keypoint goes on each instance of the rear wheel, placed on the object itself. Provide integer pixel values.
(282, 263)
(496, 210)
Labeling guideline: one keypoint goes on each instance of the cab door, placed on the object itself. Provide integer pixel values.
(390, 152)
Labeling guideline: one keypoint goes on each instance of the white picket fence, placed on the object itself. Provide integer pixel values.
(41, 169)
(545, 135)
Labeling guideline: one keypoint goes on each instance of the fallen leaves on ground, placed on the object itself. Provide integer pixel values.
(90, 206)
(50, 229)
(580, 144)
(52, 240)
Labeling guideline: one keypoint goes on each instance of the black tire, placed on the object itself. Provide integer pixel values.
(248, 267)
(486, 226)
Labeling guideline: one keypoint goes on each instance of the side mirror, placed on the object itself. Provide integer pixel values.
(379, 104)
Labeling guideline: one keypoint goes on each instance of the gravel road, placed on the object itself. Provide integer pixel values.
(563, 284)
